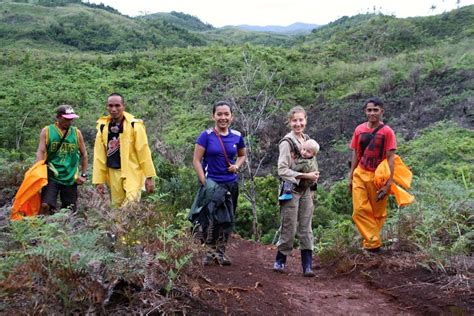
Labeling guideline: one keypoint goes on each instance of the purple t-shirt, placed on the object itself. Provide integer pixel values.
(213, 162)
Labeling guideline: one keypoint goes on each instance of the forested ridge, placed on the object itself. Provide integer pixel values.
(171, 68)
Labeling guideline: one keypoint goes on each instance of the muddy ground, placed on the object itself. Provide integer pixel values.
(367, 284)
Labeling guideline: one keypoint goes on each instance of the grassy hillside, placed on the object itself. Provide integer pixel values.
(364, 37)
(172, 89)
(79, 27)
(75, 26)
(183, 20)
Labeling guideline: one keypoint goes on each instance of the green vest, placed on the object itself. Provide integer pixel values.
(64, 162)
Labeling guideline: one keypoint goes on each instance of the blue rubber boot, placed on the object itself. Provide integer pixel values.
(307, 262)
(280, 261)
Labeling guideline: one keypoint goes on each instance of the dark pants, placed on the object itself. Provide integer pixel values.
(67, 193)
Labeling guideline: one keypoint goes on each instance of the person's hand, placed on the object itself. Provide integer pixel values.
(149, 185)
(317, 176)
(233, 169)
(81, 180)
(350, 185)
(313, 176)
(100, 188)
(382, 193)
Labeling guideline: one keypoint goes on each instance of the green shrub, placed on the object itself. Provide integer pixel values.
(439, 224)
(444, 151)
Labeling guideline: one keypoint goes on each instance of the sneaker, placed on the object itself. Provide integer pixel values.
(285, 197)
(278, 266)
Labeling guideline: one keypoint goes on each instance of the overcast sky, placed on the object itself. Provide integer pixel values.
(281, 12)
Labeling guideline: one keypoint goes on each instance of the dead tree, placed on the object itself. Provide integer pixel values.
(253, 95)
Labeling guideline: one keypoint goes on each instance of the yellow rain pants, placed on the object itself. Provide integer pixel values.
(368, 214)
(28, 198)
(120, 192)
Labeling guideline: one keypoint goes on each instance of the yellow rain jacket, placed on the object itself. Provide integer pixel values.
(135, 155)
(402, 177)
(28, 198)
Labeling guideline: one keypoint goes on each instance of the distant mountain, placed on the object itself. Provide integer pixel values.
(290, 29)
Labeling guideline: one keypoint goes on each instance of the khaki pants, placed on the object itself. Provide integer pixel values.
(368, 214)
(296, 216)
(119, 193)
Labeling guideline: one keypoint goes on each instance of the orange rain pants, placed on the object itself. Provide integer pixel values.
(368, 214)
(28, 198)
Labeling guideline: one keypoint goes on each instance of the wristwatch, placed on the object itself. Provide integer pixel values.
(84, 175)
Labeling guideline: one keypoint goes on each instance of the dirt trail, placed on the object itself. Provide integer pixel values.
(250, 286)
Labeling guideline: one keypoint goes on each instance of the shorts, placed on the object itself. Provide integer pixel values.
(67, 193)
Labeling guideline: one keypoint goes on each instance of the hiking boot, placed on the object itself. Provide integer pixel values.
(209, 258)
(223, 260)
(307, 262)
(280, 261)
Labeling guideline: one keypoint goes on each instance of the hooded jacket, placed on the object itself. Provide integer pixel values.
(135, 155)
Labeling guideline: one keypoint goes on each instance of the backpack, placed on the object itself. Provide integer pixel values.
(293, 146)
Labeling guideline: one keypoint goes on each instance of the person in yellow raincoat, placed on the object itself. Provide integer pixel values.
(122, 157)
(372, 143)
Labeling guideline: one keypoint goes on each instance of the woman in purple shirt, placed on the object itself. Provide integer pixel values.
(218, 154)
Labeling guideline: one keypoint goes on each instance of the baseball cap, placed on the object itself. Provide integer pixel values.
(66, 111)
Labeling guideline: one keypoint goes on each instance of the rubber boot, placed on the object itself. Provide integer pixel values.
(307, 262)
(280, 261)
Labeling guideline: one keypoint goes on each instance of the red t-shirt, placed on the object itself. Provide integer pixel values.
(373, 155)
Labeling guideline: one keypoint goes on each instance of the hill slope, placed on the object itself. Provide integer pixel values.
(83, 27)
(369, 35)
(77, 26)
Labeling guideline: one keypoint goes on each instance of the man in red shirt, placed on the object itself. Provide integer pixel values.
(371, 143)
